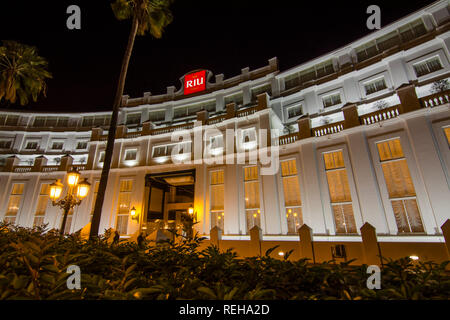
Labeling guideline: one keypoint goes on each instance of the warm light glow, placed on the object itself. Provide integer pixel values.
(72, 177)
(83, 189)
(414, 257)
(219, 217)
(289, 210)
(281, 253)
(259, 211)
(255, 215)
(133, 212)
(191, 210)
(295, 214)
(55, 190)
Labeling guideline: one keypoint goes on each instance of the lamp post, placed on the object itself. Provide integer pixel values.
(75, 194)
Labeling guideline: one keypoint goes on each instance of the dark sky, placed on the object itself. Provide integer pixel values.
(222, 36)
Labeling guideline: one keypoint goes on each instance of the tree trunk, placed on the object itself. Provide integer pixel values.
(95, 223)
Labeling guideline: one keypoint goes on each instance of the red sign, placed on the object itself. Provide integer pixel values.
(195, 82)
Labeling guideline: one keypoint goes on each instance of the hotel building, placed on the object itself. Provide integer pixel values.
(362, 135)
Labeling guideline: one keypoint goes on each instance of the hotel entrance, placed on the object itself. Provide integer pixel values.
(168, 199)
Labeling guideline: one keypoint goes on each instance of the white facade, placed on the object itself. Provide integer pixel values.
(317, 98)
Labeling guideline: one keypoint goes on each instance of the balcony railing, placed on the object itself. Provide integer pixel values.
(380, 115)
(50, 168)
(288, 138)
(184, 126)
(435, 99)
(328, 129)
(246, 112)
(217, 119)
(22, 169)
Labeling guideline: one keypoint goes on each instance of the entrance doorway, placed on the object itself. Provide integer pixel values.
(170, 195)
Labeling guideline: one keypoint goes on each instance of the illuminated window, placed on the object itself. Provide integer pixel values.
(428, 66)
(400, 186)
(123, 210)
(340, 197)
(292, 198)
(217, 198)
(158, 115)
(42, 204)
(447, 134)
(331, 100)
(14, 202)
(251, 191)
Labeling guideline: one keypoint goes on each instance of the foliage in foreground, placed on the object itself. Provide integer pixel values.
(33, 265)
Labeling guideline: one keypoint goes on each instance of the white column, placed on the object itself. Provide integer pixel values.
(313, 214)
(372, 209)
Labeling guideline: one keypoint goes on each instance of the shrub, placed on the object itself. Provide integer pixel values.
(34, 263)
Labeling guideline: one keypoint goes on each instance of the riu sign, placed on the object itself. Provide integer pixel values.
(195, 82)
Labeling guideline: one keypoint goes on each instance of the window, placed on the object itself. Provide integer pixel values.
(238, 99)
(159, 115)
(81, 145)
(375, 85)
(366, 51)
(101, 158)
(96, 121)
(57, 145)
(294, 111)
(292, 199)
(248, 138)
(5, 144)
(447, 134)
(60, 122)
(14, 202)
(257, 91)
(9, 120)
(94, 197)
(331, 100)
(412, 30)
(339, 189)
(428, 66)
(130, 154)
(31, 145)
(123, 210)
(68, 221)
(400, 186)
(388, 41)
(217, 198)
(166, 150)
(216, 144)
(251, 191)
(41, 207)
(133, 119)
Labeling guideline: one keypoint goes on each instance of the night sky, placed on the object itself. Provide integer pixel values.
(222, 36)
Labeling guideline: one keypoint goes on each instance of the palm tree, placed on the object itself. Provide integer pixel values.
(22, 73)
(147, 16)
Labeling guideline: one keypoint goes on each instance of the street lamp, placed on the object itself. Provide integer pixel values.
(76, 193)
(134, 214)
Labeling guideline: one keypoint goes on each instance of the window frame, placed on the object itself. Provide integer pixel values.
(422, 200)
(31, 140)
(303, 198)
(325, 193)
(329, 93)
(208, 217)
(261, 199)
(443, 145)
(437, 53)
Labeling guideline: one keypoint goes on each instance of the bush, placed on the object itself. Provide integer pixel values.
(34, 263)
